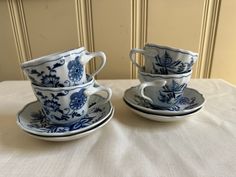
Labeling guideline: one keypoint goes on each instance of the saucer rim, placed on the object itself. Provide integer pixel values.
(165, 112)
(18, 122)
(108, 117)
(161, 118)
(76, 135)
(159, 114)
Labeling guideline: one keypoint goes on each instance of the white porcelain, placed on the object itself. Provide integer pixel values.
(161, 118)
(62, 69)
(161, 59)
(191, 101)
(68, 104)
(163, 91)
(32, 119)
(76, 135)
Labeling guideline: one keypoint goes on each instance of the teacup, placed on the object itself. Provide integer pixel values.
(164, 60)
(62, 69)
(68, 104)
(163, 91)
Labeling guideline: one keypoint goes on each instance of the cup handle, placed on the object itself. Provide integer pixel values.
(132, 56)
(92, 55)
(143, 85)
(92, 90)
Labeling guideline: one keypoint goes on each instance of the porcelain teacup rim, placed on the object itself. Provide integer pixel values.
(184, 51)
(50, 57)
(90, 81)
(166, 76)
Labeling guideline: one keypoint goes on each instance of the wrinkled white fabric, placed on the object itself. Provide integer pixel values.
(128, 146)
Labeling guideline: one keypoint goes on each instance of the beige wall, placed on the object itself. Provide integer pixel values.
(30, 29)
(9, 66)
(224, 63)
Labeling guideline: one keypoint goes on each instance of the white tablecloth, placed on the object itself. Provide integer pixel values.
(129, 145)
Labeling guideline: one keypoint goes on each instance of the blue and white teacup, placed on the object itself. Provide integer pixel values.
(164, 60)
(163, 91)
(68, 104)
(62, 69)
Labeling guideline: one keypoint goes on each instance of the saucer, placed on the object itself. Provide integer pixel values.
(32, 119)
(76, 135)
(161, 118)
(191, 101)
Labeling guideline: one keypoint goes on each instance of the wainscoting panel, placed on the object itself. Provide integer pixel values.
(10, 58)
(112, 34)
(30, 29)
(51, 25)
(224, 59)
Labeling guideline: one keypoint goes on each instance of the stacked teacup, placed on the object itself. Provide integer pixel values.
(164, 76)
(62, 86)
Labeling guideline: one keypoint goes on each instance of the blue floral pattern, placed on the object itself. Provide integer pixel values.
(34, 120)
(40, 121)
(76, 70)
(78, 100)
(167, 65)
(184, 103)
(51, 78)
(51, 104)
(171, 93)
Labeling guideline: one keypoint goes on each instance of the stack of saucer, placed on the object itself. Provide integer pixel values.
(68, 106)
(163, 94)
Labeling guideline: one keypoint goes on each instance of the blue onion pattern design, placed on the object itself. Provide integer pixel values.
(50, 79)
(51, 104)
(77, 100)
(40, 122)
(167, 65)
(171, 93)
(76, 70)
(184, 103)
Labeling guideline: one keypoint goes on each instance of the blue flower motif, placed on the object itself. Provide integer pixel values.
(51, 105)
(165, 60)
(78, 99)
(75, 70)
(50, 80)
(171, 93)
(167, 64)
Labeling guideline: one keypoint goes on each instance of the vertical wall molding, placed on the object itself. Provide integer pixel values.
(207, 39)
(20, 32)
(138, 30)
(85, 28)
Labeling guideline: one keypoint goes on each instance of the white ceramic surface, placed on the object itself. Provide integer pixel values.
(31, 119)
(191, 101)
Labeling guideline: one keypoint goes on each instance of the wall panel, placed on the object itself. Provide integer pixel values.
(30, 29)
(112, 34)
(51, 25)
(9, 66)
(224, 62)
